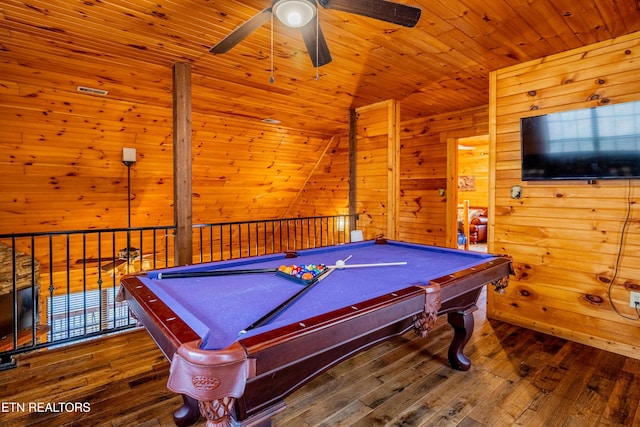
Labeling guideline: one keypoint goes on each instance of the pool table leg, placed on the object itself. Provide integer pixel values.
(216, 412)
(462, 323)
(188, 413)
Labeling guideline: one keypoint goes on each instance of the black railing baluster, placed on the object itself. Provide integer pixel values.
(34, 292)
(333, 231)
(264, 237)
(68, 292)
(211, 243)
(256, 232)
(141, 244)
(200, 233)
(221, 247)
(154, 249)
(72, 314)
(103, 318)
(14, 291)
(84, 280)
(315, 232)
(327, 231)
(51, 286)
(273, 236)
(248, 240)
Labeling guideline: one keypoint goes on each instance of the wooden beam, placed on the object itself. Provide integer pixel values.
(493, 131)
(182, 160)
(393, 168)
(451, 232)
(353, 161)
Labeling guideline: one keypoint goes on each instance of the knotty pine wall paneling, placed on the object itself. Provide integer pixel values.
(565, 236)
(377, 169)
(423, 166)
(61, 163)
(327, 190)
(246, 171)
(422, 172)
(474, 163)
(325, 193)
(61, 157)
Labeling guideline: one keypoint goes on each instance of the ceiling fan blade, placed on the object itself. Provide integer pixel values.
(92, 260)
(113, 264)
(383, 10)
(242, 31)
(321, 56)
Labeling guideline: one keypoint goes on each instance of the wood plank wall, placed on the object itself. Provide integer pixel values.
(63, 149)
(565, 236)
(376, 169)
(61, 159)
(60, 153)
(247, 171)
(326, 192)
(474, 163)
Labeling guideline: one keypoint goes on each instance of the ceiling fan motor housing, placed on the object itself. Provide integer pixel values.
(294, 13)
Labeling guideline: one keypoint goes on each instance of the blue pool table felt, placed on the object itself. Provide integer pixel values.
(219, 308)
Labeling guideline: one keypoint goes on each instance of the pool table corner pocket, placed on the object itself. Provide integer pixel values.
(425, 321)
(213, 378)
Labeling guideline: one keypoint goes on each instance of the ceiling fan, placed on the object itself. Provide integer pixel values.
(300, 13)
(115, 266)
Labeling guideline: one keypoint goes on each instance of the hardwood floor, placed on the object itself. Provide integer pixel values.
(518, 377)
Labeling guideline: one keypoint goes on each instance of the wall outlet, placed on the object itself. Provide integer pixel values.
(635, 299)
(516, 192)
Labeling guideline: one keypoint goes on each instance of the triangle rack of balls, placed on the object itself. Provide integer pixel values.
(305, 273)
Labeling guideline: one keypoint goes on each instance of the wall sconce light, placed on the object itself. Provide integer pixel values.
(294, 13)
(128, 156)
(341, 223)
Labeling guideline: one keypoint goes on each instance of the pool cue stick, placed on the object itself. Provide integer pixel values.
(267, 318)
(212, 273)
(379, 264)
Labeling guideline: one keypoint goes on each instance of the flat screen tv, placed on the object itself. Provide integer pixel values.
(592, 143)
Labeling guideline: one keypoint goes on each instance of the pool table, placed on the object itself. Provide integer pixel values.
(234, 374)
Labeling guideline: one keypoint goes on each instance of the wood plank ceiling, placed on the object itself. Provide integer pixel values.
(128, 47)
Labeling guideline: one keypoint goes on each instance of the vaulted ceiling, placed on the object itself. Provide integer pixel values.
(442, 64)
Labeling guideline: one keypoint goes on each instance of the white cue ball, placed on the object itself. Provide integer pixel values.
(340, 263)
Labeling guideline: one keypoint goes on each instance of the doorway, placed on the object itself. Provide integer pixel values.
(473, 191)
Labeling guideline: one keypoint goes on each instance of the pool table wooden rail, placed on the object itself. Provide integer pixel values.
(281, 360)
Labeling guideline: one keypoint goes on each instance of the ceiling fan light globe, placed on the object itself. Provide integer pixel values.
(294, 13)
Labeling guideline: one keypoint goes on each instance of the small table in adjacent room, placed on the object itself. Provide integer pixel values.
(225, 371)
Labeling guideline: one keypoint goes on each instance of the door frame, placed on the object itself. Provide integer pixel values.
(451, 139)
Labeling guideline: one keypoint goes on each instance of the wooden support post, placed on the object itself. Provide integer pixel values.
(353, 160)
(182, 160)
(393, 168)
(451, 190)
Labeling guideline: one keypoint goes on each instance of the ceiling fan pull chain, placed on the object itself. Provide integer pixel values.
(271, 79)
(317, 46)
